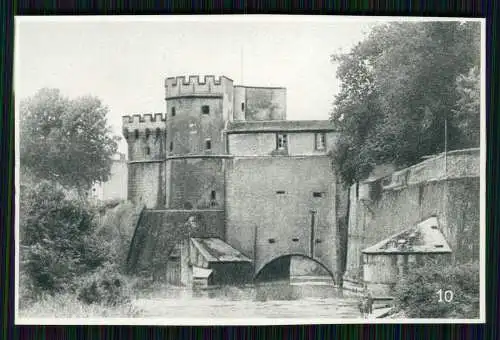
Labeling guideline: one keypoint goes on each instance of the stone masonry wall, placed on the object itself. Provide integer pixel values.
(146, 184)
(191, 181)
(264, 143)
(272, 198)
(453, 200)
(265, 103)
(259, 103)
(190, 128)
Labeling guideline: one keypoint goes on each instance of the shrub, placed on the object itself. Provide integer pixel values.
(58, 239)
(106, 286)
(417, 293)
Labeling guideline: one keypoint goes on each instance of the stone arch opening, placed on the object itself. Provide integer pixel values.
(279, 268)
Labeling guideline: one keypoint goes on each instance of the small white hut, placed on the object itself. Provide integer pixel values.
(385, 262)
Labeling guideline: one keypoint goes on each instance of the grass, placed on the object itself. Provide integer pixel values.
(68, 306)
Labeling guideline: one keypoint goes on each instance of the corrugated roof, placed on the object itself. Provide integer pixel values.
(280, 125)
(216, 250)
(425, 237)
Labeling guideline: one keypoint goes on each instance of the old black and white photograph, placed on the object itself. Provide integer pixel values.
(248, 169)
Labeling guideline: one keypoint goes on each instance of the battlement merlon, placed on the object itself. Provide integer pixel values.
(209, 84)
(145, 121)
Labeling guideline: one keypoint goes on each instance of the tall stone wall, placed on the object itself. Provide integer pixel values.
(268, 208)
(196, 183)
(146, 183)
(386, 206)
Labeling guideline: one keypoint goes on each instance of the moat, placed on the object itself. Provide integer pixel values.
(314, 297)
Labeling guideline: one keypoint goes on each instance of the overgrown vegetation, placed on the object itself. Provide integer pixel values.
(399, 87)
(66, 253)
(417, 295)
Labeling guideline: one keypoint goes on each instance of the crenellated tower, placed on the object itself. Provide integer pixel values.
(197, 110)
(146, 140)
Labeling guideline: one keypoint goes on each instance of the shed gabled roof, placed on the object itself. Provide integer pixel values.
(213, 249)
(423, 238)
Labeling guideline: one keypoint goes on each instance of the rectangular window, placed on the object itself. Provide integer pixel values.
(242, 106)
(280, 192)
(208, 144)
(213, 202)
(171, 146)
(147, 150)
(320, 141)
(317, 194)
(205, 109)
(173, 111)
(281, 141)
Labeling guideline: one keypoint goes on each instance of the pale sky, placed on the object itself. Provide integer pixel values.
(124, 62)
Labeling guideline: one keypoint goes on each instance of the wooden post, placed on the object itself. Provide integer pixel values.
(311, 246)
(255, 245)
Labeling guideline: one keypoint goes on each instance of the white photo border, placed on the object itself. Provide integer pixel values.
(260, 321)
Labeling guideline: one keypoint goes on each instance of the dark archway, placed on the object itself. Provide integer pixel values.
(279, 268)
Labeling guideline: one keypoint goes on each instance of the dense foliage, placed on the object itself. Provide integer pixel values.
(65, 144)
(417, 294)
(399, 86)
(65, 250)
(58, 238)
(66, 140)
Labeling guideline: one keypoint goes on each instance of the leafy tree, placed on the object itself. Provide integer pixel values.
(399, 86)
(468, 105)
(66, 141)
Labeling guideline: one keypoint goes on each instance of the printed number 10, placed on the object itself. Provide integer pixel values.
(448, 295)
